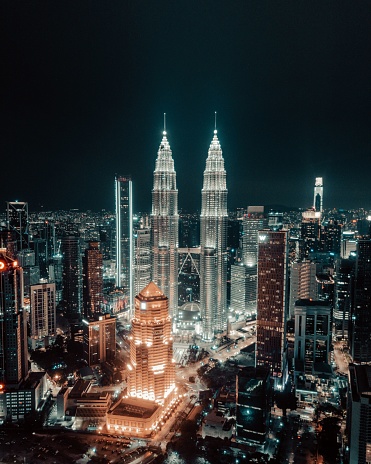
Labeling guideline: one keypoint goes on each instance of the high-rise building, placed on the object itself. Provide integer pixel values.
(43, 312)
(243, 289)
(165, 226)
(360, 342)
(71, 276)
(254, 221)
(213, 259)
(17, 222)
(310, 233)
(92, 279)
(124, 236)
(142, 259)
(318, 195)
(312, 335)
(151, 367)
(253, 398)
(331, 238)
(272, 303)
(344, 269)
(359, 414)
(13, 323)
(303, 283)
(99, 339)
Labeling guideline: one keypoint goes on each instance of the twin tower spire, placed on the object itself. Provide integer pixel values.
(213, 226)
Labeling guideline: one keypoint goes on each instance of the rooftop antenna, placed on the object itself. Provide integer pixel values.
(164, 124)
(215, 131)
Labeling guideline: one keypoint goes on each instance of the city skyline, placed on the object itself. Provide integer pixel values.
(85, 90)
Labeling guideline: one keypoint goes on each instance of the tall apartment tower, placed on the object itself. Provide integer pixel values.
(92, 279)
(151, 367)
(13, 323)
(318, 195)
(165, 226)
(124, 235)
(213, 258)
(71, 276)
(43, 311)
(272, 303)
(17, 222)
(360, 342)
(142, 259)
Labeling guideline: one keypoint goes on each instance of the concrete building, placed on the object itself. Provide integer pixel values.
(312, 336)
(99, 339)
(303, 283)
(42, 312)
(252, 404)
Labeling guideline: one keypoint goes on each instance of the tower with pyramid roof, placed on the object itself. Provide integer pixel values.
(151, 367)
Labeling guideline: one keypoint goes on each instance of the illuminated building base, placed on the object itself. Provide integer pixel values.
(138, 417)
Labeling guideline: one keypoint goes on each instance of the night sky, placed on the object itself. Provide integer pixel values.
(87, 83)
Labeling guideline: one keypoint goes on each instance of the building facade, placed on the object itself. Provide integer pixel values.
(124, 235)
(99, 339)
(42, 312)
(303, 283)
(71, 276)
(92, 279)
(272, 303)
(151, 367)
(318, 195)
(213, 259)
(142, 259)
(165, 226)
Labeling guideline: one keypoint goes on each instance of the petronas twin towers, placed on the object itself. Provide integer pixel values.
(165, 232)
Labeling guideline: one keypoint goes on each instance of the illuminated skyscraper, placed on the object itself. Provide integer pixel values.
(272, 303)
(142, 259)
(17, 222)
(165, 226)
(318, 195)
(151, 367)
(13, 323)
(93, 279)
(360, 341)
(43, 312)
(213, 259)
(124, 235)
(99, 339)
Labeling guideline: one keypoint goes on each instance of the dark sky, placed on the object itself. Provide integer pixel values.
(87, 83)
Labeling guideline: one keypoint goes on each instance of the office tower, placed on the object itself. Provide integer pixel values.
(360, 346)
(275, 220)
(303, 283)
(359, 414)
(331, 238)
(71, 276)
(124, 235)
(13, 323)
(142, 259)
(56, 275)
(151, 367)
(344, 269)
(272, 303)
(17, 222)
(31, 273)
(318, 195)
(253, 400)
(310, 233)
(92, 280)
(99, 339)
(213, 259)
(165, 226)
(42, 312)
(312, 336)
(348, 244)
(243, 289)
(252, 223)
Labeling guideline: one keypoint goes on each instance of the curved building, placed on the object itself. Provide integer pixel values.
(213, 260)
(165, 226)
